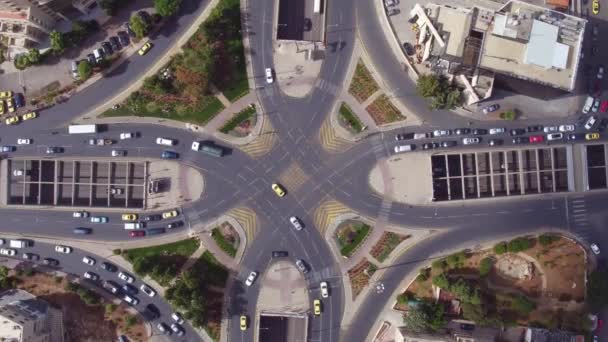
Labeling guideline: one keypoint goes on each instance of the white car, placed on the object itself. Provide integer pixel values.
(119, 153)
(324, 289)
(177, 317)
(24, 141)
(498, 130)
(550, 129)
(600, 72)
(177, 329)
(566, 128)
(63, 249)
(126, 277)
(8, 251)
(295, 222)
(99, 219)
(165, 141)
(595, 249)
(2, 241)
(441, 132)
(88, 260)
(79, 214)
(91, 275)
(470, 141)
(18, 172)
(131, 300)
(555, 136)
(590, 122)
(147, 290)
(269, 77)
(403, 148)
(126, 135)
(251, 278)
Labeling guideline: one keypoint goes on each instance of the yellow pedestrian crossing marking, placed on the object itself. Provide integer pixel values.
(264, 142)
(330, 141)
(248, 220)
(327, 212)
(293, 177)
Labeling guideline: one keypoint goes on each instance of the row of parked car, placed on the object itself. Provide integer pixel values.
(132, 222)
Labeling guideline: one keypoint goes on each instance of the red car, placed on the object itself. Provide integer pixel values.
(599, 325)
(604, 106)
(536, 139)
(137, 233)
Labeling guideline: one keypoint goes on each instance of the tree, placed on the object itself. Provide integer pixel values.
(485, 266)
(453, 98)
(518, 245)
(34, 56)
(167, 8)
(522, 304)
(428, 85)
(22, 61)
(425, 317)
(3, 272)
(456, 259)
(84, 70)
(442, 281)
(57, 41)
(403, 298)
(109, 7)
(547, 239)
(500, 248)
(139, 26)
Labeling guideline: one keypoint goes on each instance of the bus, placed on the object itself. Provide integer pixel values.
(82, 129)
(210, 149)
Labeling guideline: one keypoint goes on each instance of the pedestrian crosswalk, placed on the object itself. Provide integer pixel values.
(327, 212)
(330, 141)
(248, 220)
(578, 217)
(293, 177)
(327, 86)
(264, 142)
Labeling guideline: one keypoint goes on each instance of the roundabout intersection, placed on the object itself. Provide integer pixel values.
(240, 180)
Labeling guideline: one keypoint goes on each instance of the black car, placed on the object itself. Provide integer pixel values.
(155, 217)
(580, 121)
(520, 140)
(517, 131)
(175, 224)
(50, 262)
(91, 59)
(109, 267)
(129, 289)
(279, 254)
(307, 24)
(111, 286)
(466, 326)
(54, 149)
(152, 311)
(130, 30)
(495, 142)
(404, 136)
(575, 136)
(536, 128)
(480, 131)
(430, 146)
(123, 38)
(449, 143)
(107, 48)
(462, 131)
(115, 43)
(169, 155)
(602, 125)
(409, 49)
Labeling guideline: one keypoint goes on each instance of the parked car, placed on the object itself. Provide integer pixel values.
(54, 150)
(88, 260)
(534, 128)
(430, 146)
(107, 48)
(555, 136)
(301, 266)
(479, 131)
(50, 262)
(596, 105)
(551, 129)
(153, 217)
(115, 43)
(575, 136)
(535, 139)
(462, 131)
(109, 267)
(497, 130)
(602, 125)
(147, 290)
(566, 128)
(491, 108)
(590, 122)
(144, 49)
(123, 38)
(91, 275)
(495, 142)
(131, 300)
(169, 155)
(126, 277)
(448, 143)
(520, 140)
(600, 72)
(175, 224)
(63, 249)
(471, 141)
(441, 132)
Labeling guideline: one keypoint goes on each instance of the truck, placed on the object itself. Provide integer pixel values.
(82, 129)
(100, 142)
(19, 243)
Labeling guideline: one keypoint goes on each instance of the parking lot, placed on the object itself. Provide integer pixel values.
(71, 183)
(499, 173)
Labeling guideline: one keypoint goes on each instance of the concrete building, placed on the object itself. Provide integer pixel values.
(471, 43)
(26, 318)
(544, 335)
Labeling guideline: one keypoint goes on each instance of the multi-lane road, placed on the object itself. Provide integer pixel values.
(239, 180)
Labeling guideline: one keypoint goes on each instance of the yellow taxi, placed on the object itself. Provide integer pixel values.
(144, 49)
(169, 214)
(6, 93)
(10, 105)
(1, 107)
(317, 306)
(278, 189)
(29, 116)
(592, 136)
(243, 323)
(12, 120)
(596, 6)
(129, 217)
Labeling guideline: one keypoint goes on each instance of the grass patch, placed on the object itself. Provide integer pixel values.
(237, 88)
(207, 110)
(383, 111)
(222, 243)
(351, 120)
(163, 262)
(351, 235)
(238, 118)
(363, 84)
(387, 243)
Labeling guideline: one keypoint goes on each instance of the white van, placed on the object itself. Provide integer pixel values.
(165, 141)
(133, 225)
(403, 148)
(588, 104)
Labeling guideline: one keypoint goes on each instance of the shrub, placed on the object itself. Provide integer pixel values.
(422, 277)
(547, 239)
(508, 115)
(518, 245)
(439, 264)
(117, 251)
(403, 298)
(84, 70)
(456, 259)
(442, 281)
(22, 62)
(522, 304)
(130, 321)
(485, 266)
(110, 307)
(500, 248)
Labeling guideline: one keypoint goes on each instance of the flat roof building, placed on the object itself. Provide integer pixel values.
(26, 318)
